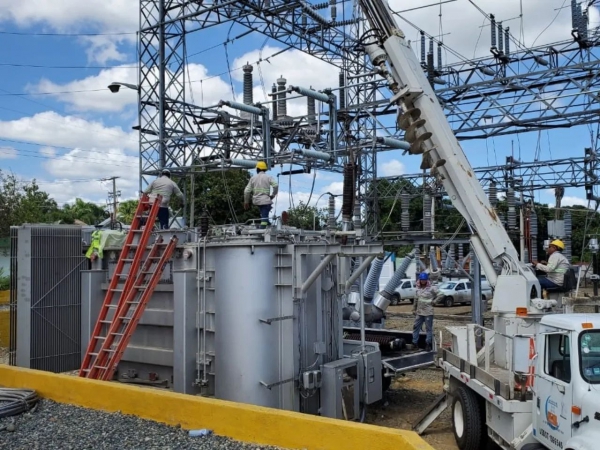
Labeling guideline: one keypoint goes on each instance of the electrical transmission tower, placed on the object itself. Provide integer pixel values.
(513, 90)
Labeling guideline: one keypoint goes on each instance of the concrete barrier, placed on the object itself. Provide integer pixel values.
(246, 423)
(4, 328)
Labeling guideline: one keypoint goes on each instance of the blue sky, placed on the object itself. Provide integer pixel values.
(81, 133)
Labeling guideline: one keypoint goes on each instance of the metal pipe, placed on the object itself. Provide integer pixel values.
(476, 300)
(393, 143)
(315, 274)
(488, 267)
(310, 93)
(241, 107)
(362, 311)
(360, 269)
(314, 154)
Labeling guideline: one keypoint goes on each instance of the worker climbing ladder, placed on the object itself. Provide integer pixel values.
(112, 333)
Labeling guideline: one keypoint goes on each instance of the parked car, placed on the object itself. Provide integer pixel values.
(459, 291)
(406, 291)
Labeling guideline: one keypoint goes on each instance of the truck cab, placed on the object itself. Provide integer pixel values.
(459, 291)
(406, 291)
(566, 390)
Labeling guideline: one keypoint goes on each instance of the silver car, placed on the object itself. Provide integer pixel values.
(459, 291)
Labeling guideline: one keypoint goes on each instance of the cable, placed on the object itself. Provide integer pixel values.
(20, 33)
(16, 401)
(550, 24)
(23, 94)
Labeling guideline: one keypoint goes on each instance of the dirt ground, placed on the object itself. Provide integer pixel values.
(410, 395)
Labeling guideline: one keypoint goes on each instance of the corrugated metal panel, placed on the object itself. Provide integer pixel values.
(50, 267)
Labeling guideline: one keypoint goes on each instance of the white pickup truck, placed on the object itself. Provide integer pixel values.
(459, 291)
(406, 291)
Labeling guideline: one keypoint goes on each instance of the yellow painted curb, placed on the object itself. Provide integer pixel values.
(4, 328)
(4, 297)
(246, 423)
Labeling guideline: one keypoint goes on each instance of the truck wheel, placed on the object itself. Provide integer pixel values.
(396, 299)
(468, 420)
(412, 300)
(448, 301)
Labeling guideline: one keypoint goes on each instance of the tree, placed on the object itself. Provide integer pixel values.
(88, 213)
(306, 217)
(221, 194)
(127, 210)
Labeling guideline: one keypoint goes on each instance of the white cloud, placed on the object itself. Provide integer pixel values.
(392, 168)
(461, 23)
(8, 153)
(207, 93)
(104, 16)
(52, 129)
(298, 68)
(103, 100)
(574, 201)
(66, 171)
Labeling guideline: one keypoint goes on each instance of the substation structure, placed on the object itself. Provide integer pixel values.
(514, 90)
(238, 315)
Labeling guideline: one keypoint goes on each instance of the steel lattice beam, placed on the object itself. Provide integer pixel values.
(521, 176)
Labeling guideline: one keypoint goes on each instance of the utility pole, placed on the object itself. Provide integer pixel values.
(114, 195)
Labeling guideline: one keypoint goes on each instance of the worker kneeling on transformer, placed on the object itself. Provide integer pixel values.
(423, 309)
(263, 189)
(556, 267)
(166, 188)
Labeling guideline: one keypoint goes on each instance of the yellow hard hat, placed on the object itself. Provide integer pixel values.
(261, 165)
(558, 244)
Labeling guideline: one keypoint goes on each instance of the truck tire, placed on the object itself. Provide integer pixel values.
(468, 420)
(448, 301)
(396, 299)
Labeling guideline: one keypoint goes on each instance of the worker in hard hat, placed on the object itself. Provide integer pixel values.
(166, 188)
(423, 310)
(556, 267)
(263, 189)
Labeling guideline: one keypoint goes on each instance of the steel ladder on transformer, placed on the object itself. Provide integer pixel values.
(112, 333)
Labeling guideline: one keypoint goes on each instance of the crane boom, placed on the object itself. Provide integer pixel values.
(427, 129)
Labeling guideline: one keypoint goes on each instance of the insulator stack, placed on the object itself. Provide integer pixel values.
(448, 257)
(427, 225)
(493, 27)
(331, 213)
(372, 280)
(203, 225)
(417, 253)
(333, 10)
(511, 201)
(348, 192)
(405, 215)
(471, 266)
(507, 41)
(439, 61)
(342, 83)
(461, 255)
(400, 273)
(568, 230)
(432, 261)
(248, 84)
(500, 37)
(533, 229)
(273, 92)
(575, 12)
(310, 110)
(583, 25)
(493, 194)
(282, 98)
(357, 217)
(423, 51)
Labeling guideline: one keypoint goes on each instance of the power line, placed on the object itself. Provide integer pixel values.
(10, 151)
(23, 94)
(22, 33)
(44, 66)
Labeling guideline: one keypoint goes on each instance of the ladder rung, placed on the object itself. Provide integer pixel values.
(100, 367)
(106, 321)
(98, 337)
(141, 287)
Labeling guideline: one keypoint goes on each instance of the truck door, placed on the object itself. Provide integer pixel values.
(553, 395)
(412, 289)
(460, 293)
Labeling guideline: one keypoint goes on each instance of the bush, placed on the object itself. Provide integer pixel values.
(4, 281)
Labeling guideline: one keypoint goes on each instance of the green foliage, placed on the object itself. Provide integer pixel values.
(4, 280)
(305, 217)
(220, 193)
(88, 213)
(127, 210)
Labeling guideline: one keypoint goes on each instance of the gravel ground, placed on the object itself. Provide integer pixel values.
(65, 427)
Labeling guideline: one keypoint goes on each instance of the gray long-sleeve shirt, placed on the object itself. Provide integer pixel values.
(423, 305)
(557, 266)
(165, 187)
(259, 188)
